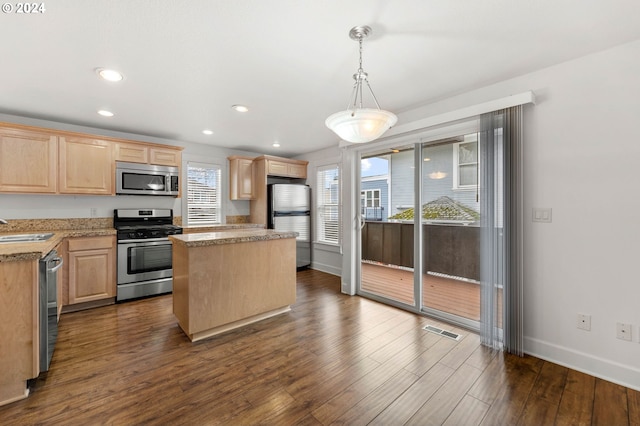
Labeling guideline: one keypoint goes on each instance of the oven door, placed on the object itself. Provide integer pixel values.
(144, 260)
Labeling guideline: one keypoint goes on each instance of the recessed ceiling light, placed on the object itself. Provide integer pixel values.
(240, 108)
(276, 144)
(105, 113)
(207, 132)
(427, 159)
(394, 150)
(109, 75)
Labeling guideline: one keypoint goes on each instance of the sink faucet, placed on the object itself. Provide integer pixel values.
(3, 222)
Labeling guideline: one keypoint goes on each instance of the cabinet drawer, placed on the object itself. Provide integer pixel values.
(90, 243)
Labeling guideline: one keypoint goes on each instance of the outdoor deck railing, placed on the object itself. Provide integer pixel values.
(451, 250)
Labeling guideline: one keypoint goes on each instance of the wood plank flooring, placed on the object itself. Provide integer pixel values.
(334, 359)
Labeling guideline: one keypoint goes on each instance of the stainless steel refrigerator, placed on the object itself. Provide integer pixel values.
(289, 209)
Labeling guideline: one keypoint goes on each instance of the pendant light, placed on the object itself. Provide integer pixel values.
(357, 124)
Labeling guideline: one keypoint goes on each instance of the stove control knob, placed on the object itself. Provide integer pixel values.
(132, 235)
(155, 233)
(140, 234)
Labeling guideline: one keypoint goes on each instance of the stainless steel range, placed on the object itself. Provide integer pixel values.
(144, 252)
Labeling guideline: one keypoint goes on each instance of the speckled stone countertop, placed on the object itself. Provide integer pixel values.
(12, 252)
(61, 229)
(224, 227)
(230, 237)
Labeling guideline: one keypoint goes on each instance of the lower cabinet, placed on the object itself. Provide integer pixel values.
(91, 271)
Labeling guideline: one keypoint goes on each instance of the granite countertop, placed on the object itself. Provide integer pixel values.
(230, 237)
(11, 252)
(222, 227)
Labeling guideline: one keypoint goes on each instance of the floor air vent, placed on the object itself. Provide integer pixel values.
(441, 332)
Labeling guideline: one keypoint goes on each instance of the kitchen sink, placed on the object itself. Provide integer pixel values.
(24, 238)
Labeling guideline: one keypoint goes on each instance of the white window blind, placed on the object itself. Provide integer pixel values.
(328, 217)
(203, 194)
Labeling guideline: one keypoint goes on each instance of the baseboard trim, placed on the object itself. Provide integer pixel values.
(611, 371)
(329, 269)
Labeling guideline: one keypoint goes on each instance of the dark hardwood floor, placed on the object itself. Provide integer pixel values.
(334, 359)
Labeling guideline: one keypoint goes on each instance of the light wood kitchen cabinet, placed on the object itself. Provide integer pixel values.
(91, 271)
(19, 344)
(240, 178)
(165, 156)
(86, 166)
(28, 161)
(286, 168)
(131, 152)
(264, 167)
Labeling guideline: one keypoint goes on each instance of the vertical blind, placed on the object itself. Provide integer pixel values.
(203, 194)
(501, 230)
(328, 202)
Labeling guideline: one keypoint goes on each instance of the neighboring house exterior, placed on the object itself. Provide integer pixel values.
(449, 170)
(374, 197)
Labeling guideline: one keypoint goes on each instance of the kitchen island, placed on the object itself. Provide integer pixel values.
(225, 280)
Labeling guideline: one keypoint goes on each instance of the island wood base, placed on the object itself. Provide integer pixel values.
(237, 324)
(221, 286)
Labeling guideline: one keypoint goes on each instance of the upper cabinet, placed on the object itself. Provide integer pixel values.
(285, 167)
(165, 156)
(266, 166)
(45, 161)
(86, 166)
(28, 161)
(141, 153)
(131, 152)
(240, 178)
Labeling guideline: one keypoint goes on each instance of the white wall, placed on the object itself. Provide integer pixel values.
(35, 206)
(580, 157)
(324, 257)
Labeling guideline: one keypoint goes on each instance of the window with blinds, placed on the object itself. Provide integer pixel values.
(203, 194)
(328, 217)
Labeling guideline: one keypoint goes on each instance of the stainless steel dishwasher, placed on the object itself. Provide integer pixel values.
(48, 287)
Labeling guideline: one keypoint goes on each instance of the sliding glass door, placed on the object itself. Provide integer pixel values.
(450, 229)
(386, 187)
(426, 262)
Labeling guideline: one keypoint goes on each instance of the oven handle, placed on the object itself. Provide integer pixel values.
(150, 241)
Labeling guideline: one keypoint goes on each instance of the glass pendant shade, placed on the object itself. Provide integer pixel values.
(361, 125)
(357, 124)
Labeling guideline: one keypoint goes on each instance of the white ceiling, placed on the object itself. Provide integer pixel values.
(187, 61)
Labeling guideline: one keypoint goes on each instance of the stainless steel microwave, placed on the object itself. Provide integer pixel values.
(147, 179)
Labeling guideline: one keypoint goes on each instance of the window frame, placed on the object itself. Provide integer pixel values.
(321, 205)
(219, 189)
(457, 165)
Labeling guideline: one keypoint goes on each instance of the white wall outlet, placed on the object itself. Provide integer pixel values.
(584, 322)
(94, 212)
(623, 331)
(541, 215)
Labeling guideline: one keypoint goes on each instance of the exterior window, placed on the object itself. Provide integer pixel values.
(370, 198)
(203, 194)
(328, 217)
(465, 155)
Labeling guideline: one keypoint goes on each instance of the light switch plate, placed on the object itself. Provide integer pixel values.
(541, 214)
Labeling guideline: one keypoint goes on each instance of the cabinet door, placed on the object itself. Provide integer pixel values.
(276, 168)
(165, 157)
(297, 170)
(131, 153)
(241, 178)
(28, 161)
(86, 166)
(91, 269)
